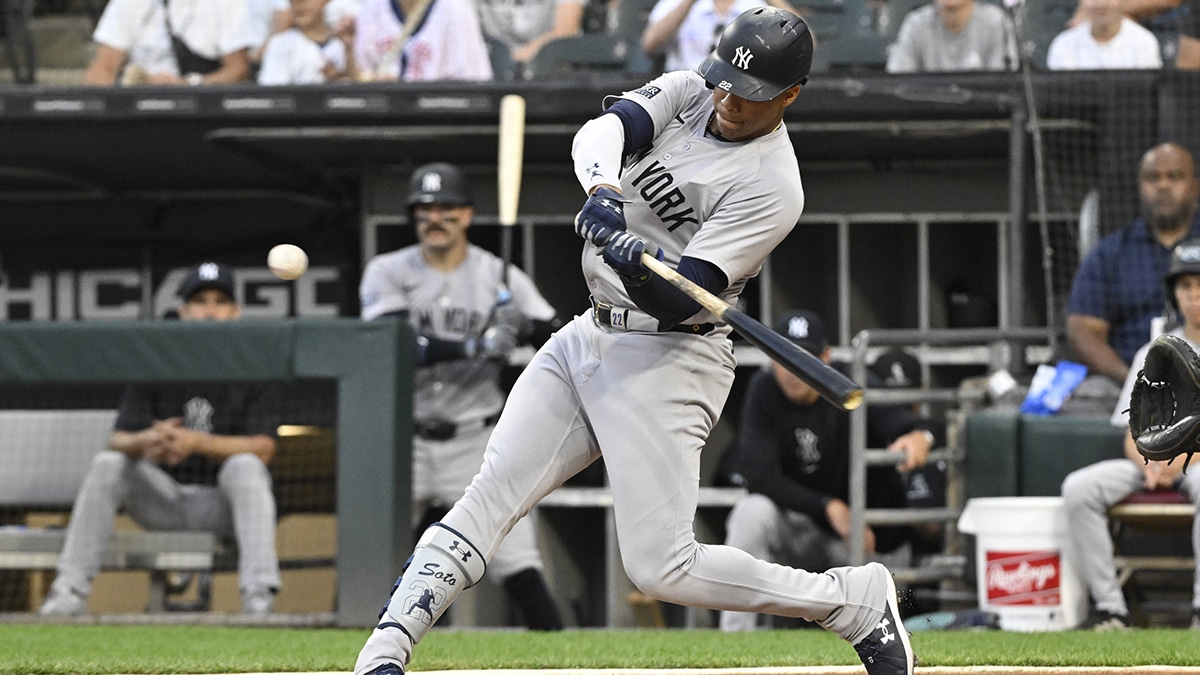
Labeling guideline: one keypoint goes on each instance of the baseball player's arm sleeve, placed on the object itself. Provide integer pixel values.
(658, 298)
(601, 143)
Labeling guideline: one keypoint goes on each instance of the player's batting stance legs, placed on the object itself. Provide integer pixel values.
(442, 566)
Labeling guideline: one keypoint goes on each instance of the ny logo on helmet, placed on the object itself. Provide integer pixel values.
(431, 182)
(741, 58)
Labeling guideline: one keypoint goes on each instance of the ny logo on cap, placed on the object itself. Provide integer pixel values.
(1189, 253)
(431, 182)
(897, 376)
(798, 327)
(209, 271)
(741, 57)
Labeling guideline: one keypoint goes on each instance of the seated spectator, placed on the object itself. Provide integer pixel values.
(189, 456)
(445, 42)
(954, 35)
(793, 454)
(1173, 22)
(191, 42)
(686, 31)
(524, 27)
(1117, 290)
(1089, 492)
(1105, 39)
(306, 53)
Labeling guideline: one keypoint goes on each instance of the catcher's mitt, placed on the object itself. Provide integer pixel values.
(1164, 409)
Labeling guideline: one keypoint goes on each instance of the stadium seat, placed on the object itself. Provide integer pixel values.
(632, 16)
(503, 66)
(1038, 22)
(848, 36)
(1154, 515)
(563, 56)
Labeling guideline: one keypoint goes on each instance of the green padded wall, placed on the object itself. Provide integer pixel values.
(1052, 447)
(371, 361)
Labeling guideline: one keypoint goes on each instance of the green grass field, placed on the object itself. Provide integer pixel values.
(35, 648)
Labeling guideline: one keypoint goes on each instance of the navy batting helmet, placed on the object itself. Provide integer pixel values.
(1185, 259)
(439, 183)
(761, 54)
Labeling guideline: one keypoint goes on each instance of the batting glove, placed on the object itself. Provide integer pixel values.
(623, 253)
(602, 216)
(495, 343)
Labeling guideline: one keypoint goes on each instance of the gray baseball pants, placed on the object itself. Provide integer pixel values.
(760, 527)
(240, 506)
(1087, 495)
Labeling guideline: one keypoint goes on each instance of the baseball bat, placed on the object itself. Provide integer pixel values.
(829, 383)
(508, 174)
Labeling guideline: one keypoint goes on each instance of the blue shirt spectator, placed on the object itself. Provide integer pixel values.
(1118, 291)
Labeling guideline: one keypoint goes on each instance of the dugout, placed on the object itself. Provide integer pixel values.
(369, 365)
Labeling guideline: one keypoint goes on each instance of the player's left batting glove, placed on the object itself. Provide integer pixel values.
(602, 216)
(623, 253)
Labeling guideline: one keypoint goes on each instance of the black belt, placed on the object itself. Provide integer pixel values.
(444, 430)
(626, 319)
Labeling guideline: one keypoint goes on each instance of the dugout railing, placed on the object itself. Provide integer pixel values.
(1000, 349)
(370, 362)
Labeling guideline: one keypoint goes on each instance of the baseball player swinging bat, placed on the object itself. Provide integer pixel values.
(829, 383)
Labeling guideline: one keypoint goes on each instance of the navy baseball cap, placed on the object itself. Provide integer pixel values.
(207, 275)
(805, 328)
(899, 369)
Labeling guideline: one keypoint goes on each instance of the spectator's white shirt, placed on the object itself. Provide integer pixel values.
(1133, 47)
(516, 22)
(698, 33)
(291, 57)
(448, 45)
(210, 28)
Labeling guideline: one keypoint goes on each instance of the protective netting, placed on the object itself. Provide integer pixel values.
(1088, 135)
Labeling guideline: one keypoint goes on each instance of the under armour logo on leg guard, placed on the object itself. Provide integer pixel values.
(457, 548)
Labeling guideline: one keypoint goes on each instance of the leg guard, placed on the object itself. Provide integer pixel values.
(442, 566)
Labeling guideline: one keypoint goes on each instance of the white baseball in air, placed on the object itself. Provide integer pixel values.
(287, 261)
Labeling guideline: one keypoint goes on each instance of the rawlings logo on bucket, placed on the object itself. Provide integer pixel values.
(1024, 577)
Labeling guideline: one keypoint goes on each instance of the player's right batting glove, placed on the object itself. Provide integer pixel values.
(602, 216)
(495, 343)
(623, 253)
(1164, 408)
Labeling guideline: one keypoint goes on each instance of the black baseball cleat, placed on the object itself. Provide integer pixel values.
(886, 650)
(387, 669)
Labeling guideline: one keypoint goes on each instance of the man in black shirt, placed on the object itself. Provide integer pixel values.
(189, 456)
(793, 455)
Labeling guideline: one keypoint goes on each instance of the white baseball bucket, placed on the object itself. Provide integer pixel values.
(1023, 575)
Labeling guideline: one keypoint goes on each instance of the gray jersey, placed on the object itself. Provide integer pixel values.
(924, 45)
(452, 306)
(727, 203)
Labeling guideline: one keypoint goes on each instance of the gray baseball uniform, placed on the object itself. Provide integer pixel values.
(644, 395)
(463, 392)
(1090, 491)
